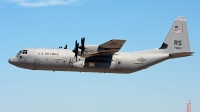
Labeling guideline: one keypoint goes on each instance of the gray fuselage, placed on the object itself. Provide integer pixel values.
(63, 60)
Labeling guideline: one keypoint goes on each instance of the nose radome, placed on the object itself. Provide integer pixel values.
(13, 60)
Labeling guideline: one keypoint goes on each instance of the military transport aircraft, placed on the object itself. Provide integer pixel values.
(106, 58)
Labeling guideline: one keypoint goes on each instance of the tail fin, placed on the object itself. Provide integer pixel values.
(177, 42)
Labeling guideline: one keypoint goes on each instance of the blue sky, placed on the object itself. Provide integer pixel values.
(165, 87)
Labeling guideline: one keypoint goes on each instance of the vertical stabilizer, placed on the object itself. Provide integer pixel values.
(177, 40)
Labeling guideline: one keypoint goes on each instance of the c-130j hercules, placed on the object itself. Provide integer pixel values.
(106, 58)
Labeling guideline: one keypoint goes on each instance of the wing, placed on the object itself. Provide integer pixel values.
(107, 48)
(113, 45)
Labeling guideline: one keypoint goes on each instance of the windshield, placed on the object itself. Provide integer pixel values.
(19, 53)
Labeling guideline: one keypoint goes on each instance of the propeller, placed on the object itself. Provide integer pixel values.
(65, 46)
(82, 47)
(76, 49)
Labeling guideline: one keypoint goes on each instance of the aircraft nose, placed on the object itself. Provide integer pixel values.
(13, 60)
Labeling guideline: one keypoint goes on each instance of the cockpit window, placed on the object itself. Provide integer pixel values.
(22, 52)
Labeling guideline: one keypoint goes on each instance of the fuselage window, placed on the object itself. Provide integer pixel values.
(119, 63)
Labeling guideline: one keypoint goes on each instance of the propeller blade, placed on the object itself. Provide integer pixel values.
(82, 47)
(83, 41)
(65, 46)
(76, 54)
(76, 50)
(75, 47)
(82, 50)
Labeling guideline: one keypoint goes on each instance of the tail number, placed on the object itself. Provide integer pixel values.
(177, 44)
